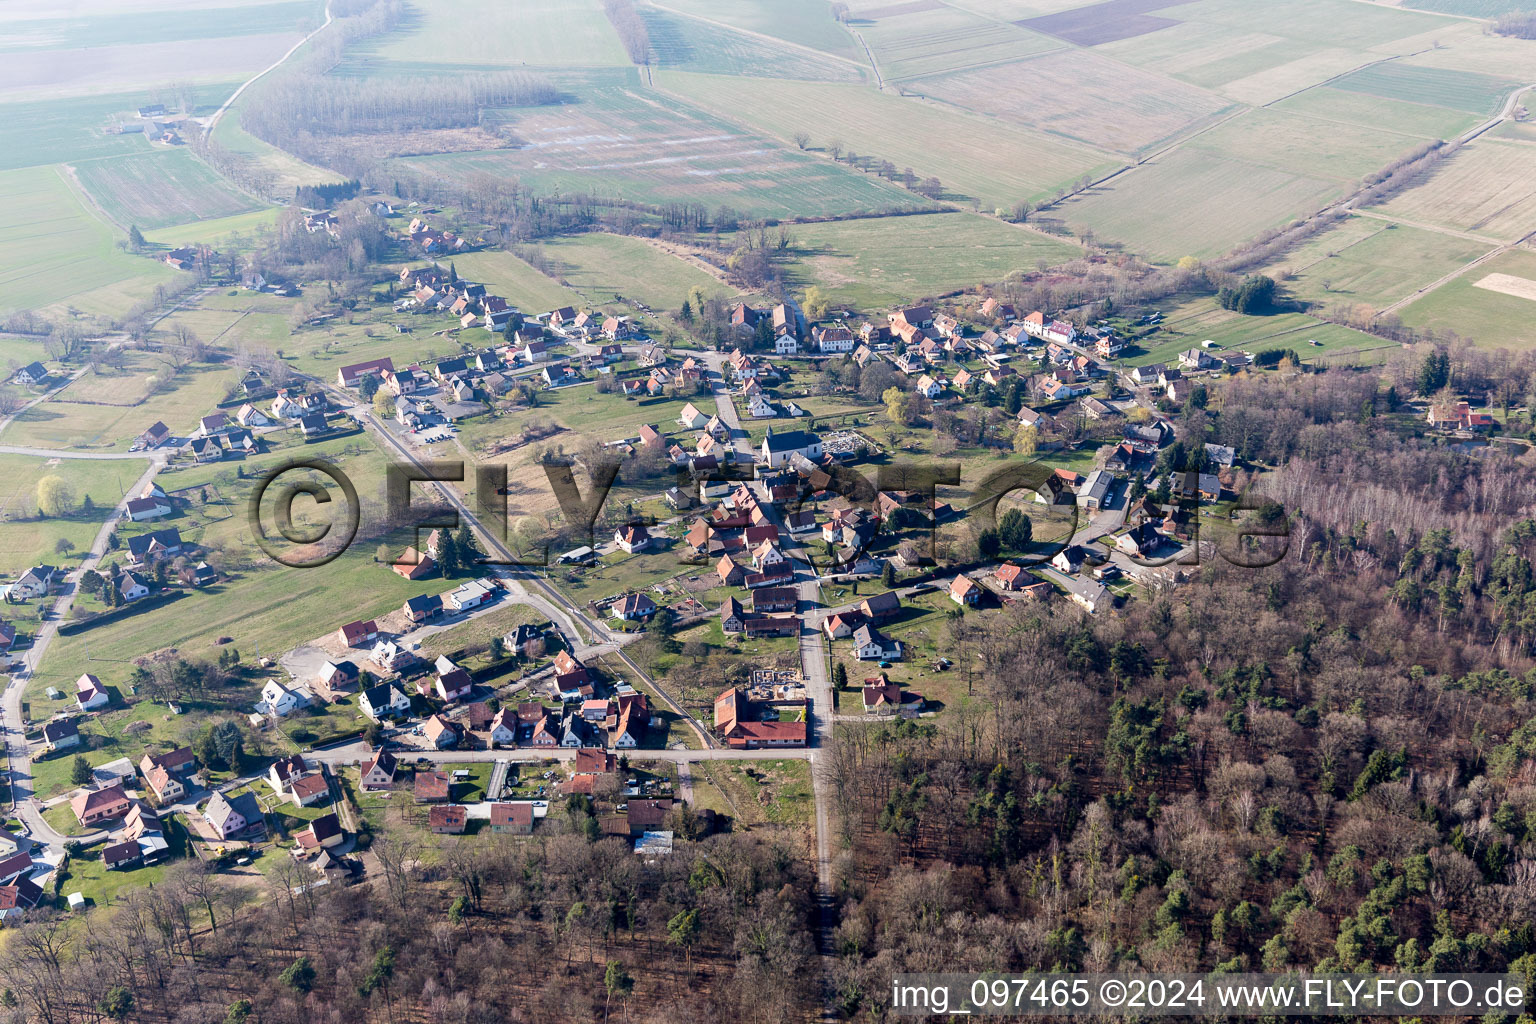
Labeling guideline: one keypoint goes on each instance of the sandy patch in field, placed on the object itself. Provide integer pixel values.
(1508, 284)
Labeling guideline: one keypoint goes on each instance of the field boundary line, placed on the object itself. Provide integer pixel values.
(1439, 14)
(66, 173)
(213, 121)
(1422, 226)
(1436, 285)
(760, 36)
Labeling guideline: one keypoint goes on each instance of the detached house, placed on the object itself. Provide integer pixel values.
(632, 538)
(90, 694)
(378, 771)
(150, 546)
(34, 582)
(97, 806)
(140, 509)
(869, 644)
(356, 634)
(965, 591)
(384, 701)
(61, 734)
(235, 816)
(634, 607)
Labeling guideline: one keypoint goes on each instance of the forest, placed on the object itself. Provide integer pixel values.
(563, 927)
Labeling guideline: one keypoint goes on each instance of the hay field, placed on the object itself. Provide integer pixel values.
(1082, 96)
(691, 44)
(55, 249)
(1302, 145)
(1193, 202)
(160, 189)
(944, 39)
(1371, 262)
(1459, 90)
(874, 263)
(973, 156)
(1488, 187)
(104, 385)
(602, 267)
(26, 539)
(1257, 52)
(62, 423)
(67, 129)
(1204, 54)
(235, 230)
(34, 74)
(1352, 110)
(621, 141)
(521, 285)
(1468, 8)
(1198, 318)
(1488, 317)
(538, 33)
(1465, 45)
(805, 22)
(157, 24)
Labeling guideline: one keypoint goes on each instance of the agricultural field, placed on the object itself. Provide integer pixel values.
(1351, 109)
(690, 44)
(935, 39)
(160, 23)
(30, 74)
(1197, 319)
(236, 231)
(1082, 96)
(57, 251)
(521, 285)
(1251, 53)
(1488, 188)
(27, 538)
(580, 410)
(160, 189)
(1220, 202)
(62, 422)
(872, 263)
(270, 608)
(62, 130)
(1468, 8)
(1368, 261)
(620, 142)
(601, 268)
(1301, 145)
(1487, 316)
(530, 32)
(1460, 90)
(973, 156)
(286, 170)
(801, 22)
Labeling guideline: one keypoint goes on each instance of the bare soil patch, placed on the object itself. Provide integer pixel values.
(1508, 284)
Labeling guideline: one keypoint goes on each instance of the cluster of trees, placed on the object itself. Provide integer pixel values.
(631, 30)
(1520, 24)
(327, 105)
(1274, 798)
(1254, 295)
(170, 677)
(561, 927)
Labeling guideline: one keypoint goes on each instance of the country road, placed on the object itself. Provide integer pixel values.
(572, 614)
(217, 114)
(22, 797)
